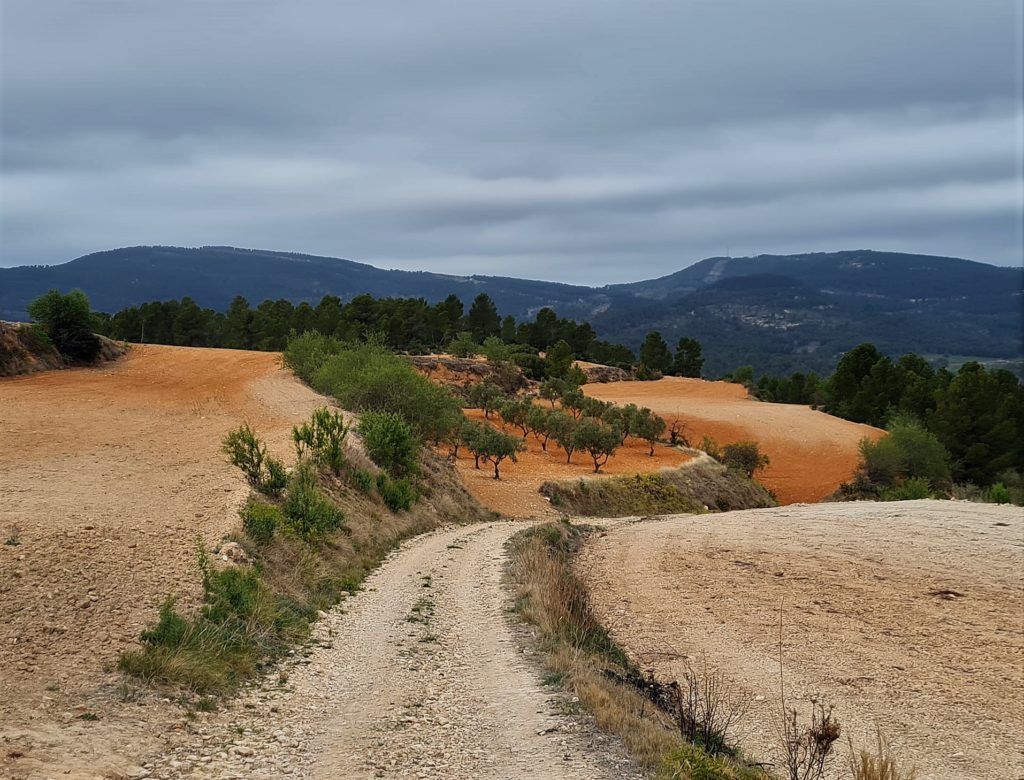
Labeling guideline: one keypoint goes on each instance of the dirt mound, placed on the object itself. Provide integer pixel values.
(24, 350)
(107, 476)
(905, 616)
(811, 452)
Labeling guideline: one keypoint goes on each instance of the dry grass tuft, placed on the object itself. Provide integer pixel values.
(880, 765)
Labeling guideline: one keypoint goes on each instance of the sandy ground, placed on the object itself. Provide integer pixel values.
(420, 675)
(871, 620)
(106, 478)
(515, 494)
(811, 452)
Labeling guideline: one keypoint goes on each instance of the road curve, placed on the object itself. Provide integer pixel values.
(418, 675)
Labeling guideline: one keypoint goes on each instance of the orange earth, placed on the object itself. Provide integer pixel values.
(515, 494)
(811, 452)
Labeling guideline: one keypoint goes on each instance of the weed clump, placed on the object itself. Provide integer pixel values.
(247, 452)
(261, 521)
(306, 509)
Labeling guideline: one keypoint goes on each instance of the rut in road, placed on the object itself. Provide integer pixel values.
(420, 677)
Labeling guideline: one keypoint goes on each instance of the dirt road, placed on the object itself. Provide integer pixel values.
(906, 616)
(418, 676)
(107, 476)
(811, 452)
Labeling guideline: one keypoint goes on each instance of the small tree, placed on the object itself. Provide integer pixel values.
(463, 346)
(745, 456)
(68, 321)
(551, 390)
(496, 446)
(473, 435)
(689, 361)
(540, 423)
(599, 440)
(485, 396)
(517, 412)
(573, 401)
(558, 360)
(390, 442)
(594, 407)
(245, 451)
(655, 355)
(649, 427)
(563, 431)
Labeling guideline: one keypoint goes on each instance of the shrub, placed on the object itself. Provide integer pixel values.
(463, 346)
(360, 478)
(170, 629)
(260, 520)
(908, 451)
(909, 490)
(322, 439)
(710, 446)
(68, 322)
(245, 451)
(390, 443)
(367, 377)
(307, 352)
(880, 765)
(398, 494)
(998, 494)
(307, 510)
(745, 456)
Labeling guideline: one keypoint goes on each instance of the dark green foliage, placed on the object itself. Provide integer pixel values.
(306, 509)
(649, 427)
(654, 354)
(745, 456)
(573, 401)
(359, 478)
(483, 319)
(68, 323)
(322, 439)
(170, 630)
(308, 351)
(261, 520)
(390, 442)
(559, 359)
(563, 433)
(463, 346)
(689, 360)
(596, 439)
(517, 412)
(398, 494)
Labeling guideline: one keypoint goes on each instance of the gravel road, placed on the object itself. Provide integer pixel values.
(420, 675)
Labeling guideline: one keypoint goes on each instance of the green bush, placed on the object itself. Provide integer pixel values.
(307, 352)
(908, 451)
(359, 478)
(245, 450)
(367, 377)
(260, 521)
(693, 763)
(398, 494)
(307, 510)
(68, 322)
(745, 456)
(999, 494)
(909, 490)
(390, 442)
(170, 630)
(322, 439)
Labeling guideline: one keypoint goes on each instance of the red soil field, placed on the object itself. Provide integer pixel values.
(811, 452)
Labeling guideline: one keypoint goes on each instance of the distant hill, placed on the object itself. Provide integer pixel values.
(774, 312)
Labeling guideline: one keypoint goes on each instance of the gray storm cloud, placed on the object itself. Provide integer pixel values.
(578, 141)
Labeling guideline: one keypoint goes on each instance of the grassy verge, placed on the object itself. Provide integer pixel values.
(253, 614)
(579, 653)
(700, 488)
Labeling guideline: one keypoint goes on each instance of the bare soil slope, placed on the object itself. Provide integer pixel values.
(906, 616)
(107, 476)
(811, 452)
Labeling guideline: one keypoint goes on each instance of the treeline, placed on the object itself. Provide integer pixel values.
(404, 325)
(976, 414)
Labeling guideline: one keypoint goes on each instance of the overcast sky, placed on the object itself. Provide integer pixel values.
(578, 141)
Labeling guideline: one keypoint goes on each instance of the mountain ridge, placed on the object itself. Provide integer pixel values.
(776, 312)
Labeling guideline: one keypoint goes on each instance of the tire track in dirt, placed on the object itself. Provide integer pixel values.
(419, 675)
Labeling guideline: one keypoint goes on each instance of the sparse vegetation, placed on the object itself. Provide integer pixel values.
(68, 323)
(746, 456)
(322, 439)
(878, 765)
(700, 488)
(579, 655)
(245, 451)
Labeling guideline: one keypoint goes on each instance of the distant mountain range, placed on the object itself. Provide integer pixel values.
(774, 312)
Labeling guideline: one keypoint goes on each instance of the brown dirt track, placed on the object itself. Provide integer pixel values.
(865, 621)
(515, 494)
(110, 474)
(811, 452)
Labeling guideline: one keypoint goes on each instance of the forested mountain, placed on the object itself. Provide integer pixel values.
(776, 313)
